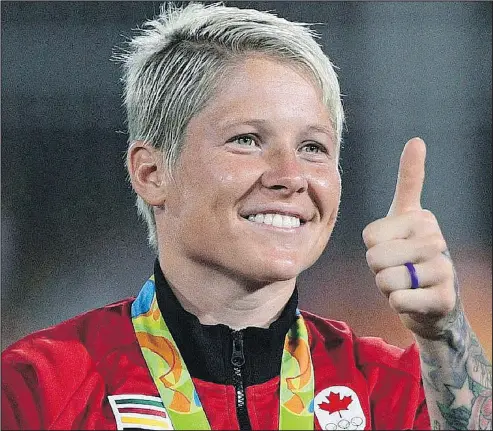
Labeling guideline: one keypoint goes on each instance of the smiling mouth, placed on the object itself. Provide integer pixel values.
(276, 220)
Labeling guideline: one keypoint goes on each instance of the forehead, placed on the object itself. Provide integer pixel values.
(268, 88)
(266, 72)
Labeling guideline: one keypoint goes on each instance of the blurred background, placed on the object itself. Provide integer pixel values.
(70, 236)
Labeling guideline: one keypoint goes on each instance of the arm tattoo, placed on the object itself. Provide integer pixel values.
(457, 377)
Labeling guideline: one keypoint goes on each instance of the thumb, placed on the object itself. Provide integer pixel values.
(407, 196)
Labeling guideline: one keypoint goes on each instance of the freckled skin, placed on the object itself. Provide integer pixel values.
(216, 179)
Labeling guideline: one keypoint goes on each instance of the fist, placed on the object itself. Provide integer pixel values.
(410, 234)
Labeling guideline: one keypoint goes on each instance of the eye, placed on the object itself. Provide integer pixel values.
(245, 140)
(313, 148)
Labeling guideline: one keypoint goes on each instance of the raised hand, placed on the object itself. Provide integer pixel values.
(411, 235)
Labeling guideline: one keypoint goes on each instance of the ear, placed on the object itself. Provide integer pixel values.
(147, 172)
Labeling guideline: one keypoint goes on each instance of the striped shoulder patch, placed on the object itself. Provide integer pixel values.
(139, 411)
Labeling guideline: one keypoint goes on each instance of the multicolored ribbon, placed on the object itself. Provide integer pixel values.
(176, 387)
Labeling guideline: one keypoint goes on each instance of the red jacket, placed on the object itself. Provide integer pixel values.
(60, 378)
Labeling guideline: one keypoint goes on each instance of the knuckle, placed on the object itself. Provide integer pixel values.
(437, 243)
(432, 245)
(373, 259)
(448, 304)
(448, 268)
(368, 236)
(381, 279)
(428, 216)
(396, 303)
(370, 257)
(423, 309)
(427, 220)
(443, 270)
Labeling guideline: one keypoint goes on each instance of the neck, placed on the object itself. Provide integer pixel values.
(217, 298)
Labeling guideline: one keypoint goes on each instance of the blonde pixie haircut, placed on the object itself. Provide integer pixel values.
(173, 67)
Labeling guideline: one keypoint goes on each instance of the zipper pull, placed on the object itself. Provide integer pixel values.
(237, 358)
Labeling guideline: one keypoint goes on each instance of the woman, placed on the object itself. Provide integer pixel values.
(235, 124)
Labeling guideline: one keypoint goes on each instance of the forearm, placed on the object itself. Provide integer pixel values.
(457, 378)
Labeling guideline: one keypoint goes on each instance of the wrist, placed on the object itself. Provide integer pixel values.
(454, 337)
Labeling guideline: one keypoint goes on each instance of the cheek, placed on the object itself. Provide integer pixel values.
(217, 185)
(326, 186)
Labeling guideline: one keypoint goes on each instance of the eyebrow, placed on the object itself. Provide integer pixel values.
(321, 129)
(261, 123)
(233, 123)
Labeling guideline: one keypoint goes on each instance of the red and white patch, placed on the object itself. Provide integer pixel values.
(338, 408)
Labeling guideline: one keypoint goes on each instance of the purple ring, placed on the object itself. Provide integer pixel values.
(414, 277)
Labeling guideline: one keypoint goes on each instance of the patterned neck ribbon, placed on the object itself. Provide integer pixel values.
(176, 387)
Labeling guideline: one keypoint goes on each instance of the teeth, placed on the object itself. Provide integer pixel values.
(276, 220)
(286, 221)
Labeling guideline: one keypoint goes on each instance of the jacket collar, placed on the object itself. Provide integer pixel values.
(207, 349)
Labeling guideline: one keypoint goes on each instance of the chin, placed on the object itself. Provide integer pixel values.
(278, 269)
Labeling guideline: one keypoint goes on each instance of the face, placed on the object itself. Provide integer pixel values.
(256, 190)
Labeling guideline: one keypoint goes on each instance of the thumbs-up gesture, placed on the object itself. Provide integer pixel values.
(408, 254)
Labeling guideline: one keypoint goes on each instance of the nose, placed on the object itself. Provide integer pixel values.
(284, 174)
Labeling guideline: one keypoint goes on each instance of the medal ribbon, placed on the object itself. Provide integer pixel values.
(176, 387)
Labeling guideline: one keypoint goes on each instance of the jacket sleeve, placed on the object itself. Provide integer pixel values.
(39, 378)
(422, 418)
(20, 406)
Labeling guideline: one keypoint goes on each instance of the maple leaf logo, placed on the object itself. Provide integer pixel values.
(335, 403)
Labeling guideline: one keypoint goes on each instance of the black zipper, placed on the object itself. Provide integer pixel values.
(238, 360)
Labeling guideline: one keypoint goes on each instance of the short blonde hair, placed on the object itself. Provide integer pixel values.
(172, 67)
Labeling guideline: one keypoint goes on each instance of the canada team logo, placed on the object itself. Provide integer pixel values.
(139, 411)
(338, 408)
